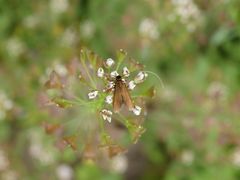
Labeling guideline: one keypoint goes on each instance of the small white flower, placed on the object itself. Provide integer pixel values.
(148, 28)
(109, 86)
(119, 163)
(137, 110)
(100, 72)
(59, 6)
(60, 69)
(64, 172)
(114, 74)
(140, 77)
(109, 99)
(131, 85)
(107, 115)
(8, 104)
(109, 62)
(4, 162)
(187, 157)
(92, 94)
(126, 72)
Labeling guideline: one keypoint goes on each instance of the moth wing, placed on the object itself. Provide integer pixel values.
(117, 97)
(126, 98)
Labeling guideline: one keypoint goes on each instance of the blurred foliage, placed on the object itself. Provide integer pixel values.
(192, 125)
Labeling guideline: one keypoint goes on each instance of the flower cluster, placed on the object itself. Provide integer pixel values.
(109, 78)
(101, 89)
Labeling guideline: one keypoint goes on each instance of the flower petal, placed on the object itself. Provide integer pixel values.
(100, 72)
(131, 85)
(114, 74)
(141, 76)
(92, 94)
(109, 99)
(107, 115)
(126, 72)
(137, 110)
(109, 62)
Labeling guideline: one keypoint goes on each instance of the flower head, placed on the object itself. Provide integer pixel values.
(109, 62)
(106, 115)
(105, 87)
(92, 94)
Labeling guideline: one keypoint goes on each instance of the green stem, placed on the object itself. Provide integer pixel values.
(89, 76)
(160, 80)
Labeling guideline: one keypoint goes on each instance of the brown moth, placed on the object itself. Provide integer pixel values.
(121, 95)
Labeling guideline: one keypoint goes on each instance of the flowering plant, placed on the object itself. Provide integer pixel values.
(103, 90)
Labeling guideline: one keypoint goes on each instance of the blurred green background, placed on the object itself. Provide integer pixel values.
(193, 125)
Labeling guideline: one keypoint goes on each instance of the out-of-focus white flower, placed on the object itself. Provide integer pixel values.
(217, 91)
(169, 94)
(236, 158)
(114, 74)
(60, 69)
(92, 94)
(6, 104)
(87, 29)
(148, 29)
(110, 62)
(110, 85)
(64, 172)
(69, 37)
(187, 157)
(100, 72)
(126, 72)
(4, 162)
(15, 47)
(131, 85)
(31, 21)
(58, 6)
(109, 99)
(119, 163)
(39, 151)
(189, 13)
(141, 76)
(137, 110)
(9, 175)
(107, 115)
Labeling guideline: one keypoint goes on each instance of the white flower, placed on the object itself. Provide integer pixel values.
(187, 157)
(58, 6)
(100, 72)
(131, 85)
(120, 163)
(110, 85)
(8, 104)
(107, 115)
(15, 47)
(137, 110)
(236, 158)
(109, 62)
(60, 69)
(31, 21)
(114, 74)
(69, 37)
(126, 72)
(87, 29)
(92, 94)
(109, 99)
(148, 28)
(4, 162)
(140, 77)
(64, 172)
(9, 175)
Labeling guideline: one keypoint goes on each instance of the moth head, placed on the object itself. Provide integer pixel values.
(118, 78)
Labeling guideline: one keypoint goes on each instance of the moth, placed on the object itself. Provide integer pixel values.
(121, 95)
